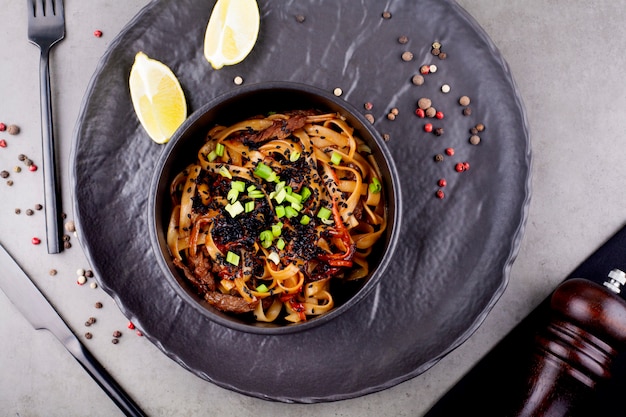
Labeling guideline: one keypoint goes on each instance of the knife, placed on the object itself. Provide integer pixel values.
(27, 298)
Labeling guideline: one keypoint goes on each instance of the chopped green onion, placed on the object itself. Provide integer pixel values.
(280, 196)
(232, 258)
(304, 220)
(280, 244)
(219, 149)
(290, 212)
(297, 206)
(265, 172)
(266, 238)
(277, 229)
(305, 193)
(375, 186)
(249, 206)
(280, 211)
(211, 156)
(324, 213)
(274, 257)
(262, 288)
(234, 209)
(335, 158)
(225, 173)
(251, 188)
(293, 198)
(294, 156)
(256, 194)
(232, 195)
(238, 185)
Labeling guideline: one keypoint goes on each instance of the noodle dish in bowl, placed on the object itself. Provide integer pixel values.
(274, 208)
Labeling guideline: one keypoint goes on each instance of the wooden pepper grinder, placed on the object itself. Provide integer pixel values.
(574, 352)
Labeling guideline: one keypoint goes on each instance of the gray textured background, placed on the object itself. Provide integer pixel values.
(566, 57)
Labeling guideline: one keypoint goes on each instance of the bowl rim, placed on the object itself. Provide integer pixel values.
(394, 209)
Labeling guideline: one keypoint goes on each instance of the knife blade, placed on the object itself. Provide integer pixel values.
(27, 298)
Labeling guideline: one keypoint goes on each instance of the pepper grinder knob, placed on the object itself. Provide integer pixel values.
(575, 351)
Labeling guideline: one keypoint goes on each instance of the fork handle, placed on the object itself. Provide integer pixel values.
(51, 189)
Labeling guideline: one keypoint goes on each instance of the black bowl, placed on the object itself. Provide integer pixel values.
(232, 107)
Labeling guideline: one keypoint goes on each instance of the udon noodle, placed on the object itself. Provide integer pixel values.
(273, 210)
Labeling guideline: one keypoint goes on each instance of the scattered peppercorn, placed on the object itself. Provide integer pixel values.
(10, 183)
(439, 158)
(440, 194)
(449, 151)
(369, 117)
(474, 139)
(407, 56)
(131, 325)
(35, 241)
(97, 33)
(442, 55)
(432, 68)
(439, 115)
(418, 79)
(70, 226)
(428, 127)
(238, 80)
(464, 101)
(386, 14)
(38, 207)
(81, 280)
(368, 106)
(66, 238)
(445, 88)
(300, 18)
(32, 168)
(17, 169)
(3, 143)
(459, 167)
(89, 273)
(4, 174)
(480, 127)
(18, 211)
(391, 116)
(420, 113)
(52, 272)
(442, 182)
(117, 333)
(13, 129)
(98, 305)
(467, 111)
(431, 112)
(386, 137)
(424, 103)
(438, 131)
(338, 91)
(29, 212)
(115, 341)
(88, 335)
(403, 39)
(424, 69)
(67, 245)
(435, 51)
(3, 127)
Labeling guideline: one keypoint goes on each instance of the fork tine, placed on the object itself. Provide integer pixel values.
(39, 8)
(58, 8)
(31, 7)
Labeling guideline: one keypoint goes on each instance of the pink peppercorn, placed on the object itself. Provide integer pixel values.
(440, 194)
(425, 69)
(32, 168)
(420, 113)
(465, 166)
(97, 33)
(442, 182)
(131, 325)
(35, 241)
(428, 127)
(449, 151)
(459, 167)
(3, 127)
(3, 143)
(439, 115)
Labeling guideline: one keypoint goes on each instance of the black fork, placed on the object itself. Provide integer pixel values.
(46, 27)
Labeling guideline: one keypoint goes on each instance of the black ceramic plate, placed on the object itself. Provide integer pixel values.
(454, 254)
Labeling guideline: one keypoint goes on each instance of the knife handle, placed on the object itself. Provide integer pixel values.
(102, 377)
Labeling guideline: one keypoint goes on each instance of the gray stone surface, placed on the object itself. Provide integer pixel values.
(567, 59)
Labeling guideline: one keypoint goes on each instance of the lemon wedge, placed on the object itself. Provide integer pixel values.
(232, 31)
(158, 99)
